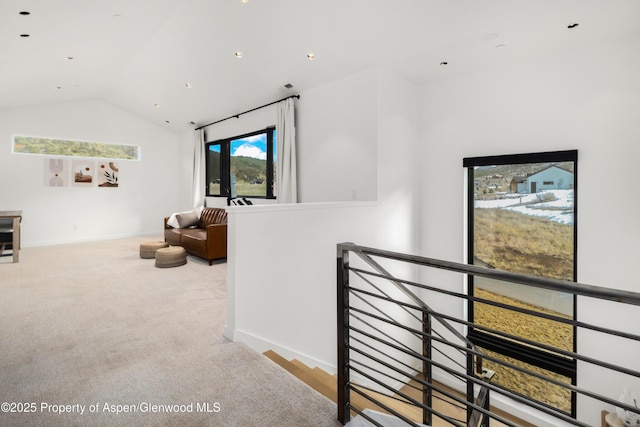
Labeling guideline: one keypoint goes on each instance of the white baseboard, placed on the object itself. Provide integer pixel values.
(261, 345)
(87, 239)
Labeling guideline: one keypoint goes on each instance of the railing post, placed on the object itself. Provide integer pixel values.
(343, 403)
(470, 384)
(427, 368)
(486, 404)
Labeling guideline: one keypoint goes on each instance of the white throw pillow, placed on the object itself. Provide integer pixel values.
(187, 219)
(173, 221)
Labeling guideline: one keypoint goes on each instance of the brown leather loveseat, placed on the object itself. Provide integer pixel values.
(205, 237)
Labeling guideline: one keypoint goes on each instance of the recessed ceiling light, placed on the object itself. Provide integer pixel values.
(572, 25)
(311, 56)
(24, 35)
(238, 54)
(69, 58)
(443, 63)
(501, 45)
(192, 123)
(167, 121)
(245, 1)
(58, 87)
(288, 85)
(156, 105)
(24, 12)
(188, 86)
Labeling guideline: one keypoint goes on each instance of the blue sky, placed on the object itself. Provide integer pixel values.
(253, 146)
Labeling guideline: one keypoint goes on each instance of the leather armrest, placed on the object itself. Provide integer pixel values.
(217, 234)
(215, 230)
(217, 240)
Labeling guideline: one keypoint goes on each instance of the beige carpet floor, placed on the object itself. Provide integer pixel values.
(93, 328)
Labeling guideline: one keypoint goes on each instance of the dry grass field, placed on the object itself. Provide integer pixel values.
(243, 188)
(524, 244)
(540, 330)
(530, 245)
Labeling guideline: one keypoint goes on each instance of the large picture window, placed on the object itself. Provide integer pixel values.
(242, 166)
(522, 218)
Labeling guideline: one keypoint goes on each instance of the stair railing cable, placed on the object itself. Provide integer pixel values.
(378, 340)
(411, 295)
(518, 368)
(599, 292)
(405, 349)
(427, 347)
(426, 322)
(404, 306)
(448, 394)
(503, 334)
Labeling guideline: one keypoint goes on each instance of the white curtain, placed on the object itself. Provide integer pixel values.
(286, 177)
(198, 170)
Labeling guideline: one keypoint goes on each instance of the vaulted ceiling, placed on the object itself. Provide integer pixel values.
(178, 62)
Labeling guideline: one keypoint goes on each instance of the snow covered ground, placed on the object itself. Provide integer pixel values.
(560, 210)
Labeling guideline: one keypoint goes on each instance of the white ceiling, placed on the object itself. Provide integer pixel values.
(138, 53)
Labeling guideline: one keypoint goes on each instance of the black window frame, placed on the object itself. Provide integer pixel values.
(225, 165)
(535, 357)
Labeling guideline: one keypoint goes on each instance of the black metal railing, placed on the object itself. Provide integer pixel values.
(404, 347)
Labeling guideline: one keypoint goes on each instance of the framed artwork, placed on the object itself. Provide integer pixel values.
(80, 173)
(108, 174)
(56, 172)
(83, 173)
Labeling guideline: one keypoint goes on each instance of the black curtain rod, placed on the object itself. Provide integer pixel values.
(237, 116)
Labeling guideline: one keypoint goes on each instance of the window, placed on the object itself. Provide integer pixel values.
(242, 166)
(522, 218)
(63, 147)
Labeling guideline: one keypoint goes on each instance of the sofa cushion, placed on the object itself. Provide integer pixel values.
(195, 246)
(187, 219)
(196, 233)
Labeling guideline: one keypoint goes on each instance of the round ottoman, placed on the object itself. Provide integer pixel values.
(148, 249)
(173, 256)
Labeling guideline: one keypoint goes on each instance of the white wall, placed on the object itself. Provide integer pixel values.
(398, 144)
(148, 189)
(337, 140)
(184, 166)
(281, 275)
(586, 99)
